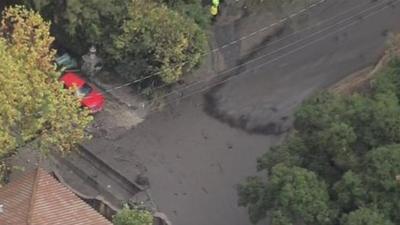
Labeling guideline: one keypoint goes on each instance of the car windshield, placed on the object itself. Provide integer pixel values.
(84, 90)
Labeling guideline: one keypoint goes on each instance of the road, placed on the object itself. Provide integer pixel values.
(196, 152)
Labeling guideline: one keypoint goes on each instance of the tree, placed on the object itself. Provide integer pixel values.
(334, 135)
(324, 139)
(138, 37)
(352, 143)
(192, 9)
(381, 182)
(350, 192)
(337, 131)
(327, 134)
(292, 194)
(289, 153)
(254, 195)
(81, 23)
(388, 80)
(379, 122)
(156, 40)
(133, 216)
(34, 104)
(365, 216)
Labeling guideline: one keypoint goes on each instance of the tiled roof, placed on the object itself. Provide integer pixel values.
(36, 198)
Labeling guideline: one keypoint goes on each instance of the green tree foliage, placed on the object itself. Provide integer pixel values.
(351, 144)
(381, 179)
(192, 9)
(34, 103)
(288, 153)
(324, 140)
(134, 216)
(388, 79)
(293, 194)
(158, 40)
(329, 138)
(365, 216)
(335, 131)
(81, 23)
(350, 191)
(141, 37)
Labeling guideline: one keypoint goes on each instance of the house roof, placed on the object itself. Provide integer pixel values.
(36, 198)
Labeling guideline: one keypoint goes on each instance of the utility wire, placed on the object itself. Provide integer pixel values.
(269, 44)
(245, 37)
(277, 51)
(284, 55)
(356, 16)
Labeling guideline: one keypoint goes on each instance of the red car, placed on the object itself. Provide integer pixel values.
(90, 97)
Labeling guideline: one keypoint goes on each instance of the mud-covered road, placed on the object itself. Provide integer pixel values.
(196, 152)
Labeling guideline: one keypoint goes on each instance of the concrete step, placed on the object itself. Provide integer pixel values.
(92, 178)
(130, 186)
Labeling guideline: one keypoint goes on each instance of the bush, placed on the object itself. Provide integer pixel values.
(133, 216)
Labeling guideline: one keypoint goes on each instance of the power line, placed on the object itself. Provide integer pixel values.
(278, 50)
(271, 43)
(284, 55)
(245, 37)
(262, 29)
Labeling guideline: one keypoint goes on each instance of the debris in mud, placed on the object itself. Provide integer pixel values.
(142, 180)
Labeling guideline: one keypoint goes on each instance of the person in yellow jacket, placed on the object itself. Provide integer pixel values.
(214, 10)
(214, 7)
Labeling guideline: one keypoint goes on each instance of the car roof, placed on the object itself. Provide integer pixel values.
(71, 78)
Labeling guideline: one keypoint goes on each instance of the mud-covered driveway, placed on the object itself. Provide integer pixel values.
(196, 152)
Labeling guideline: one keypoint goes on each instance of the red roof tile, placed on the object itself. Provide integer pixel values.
(36, 198)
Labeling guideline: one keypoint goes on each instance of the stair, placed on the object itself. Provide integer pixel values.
(90, 177)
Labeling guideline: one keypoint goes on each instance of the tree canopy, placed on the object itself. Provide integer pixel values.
(157, 40)
(137, 37)
(365, 216)
(34, 104)
(348, 147)
(293, 194)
